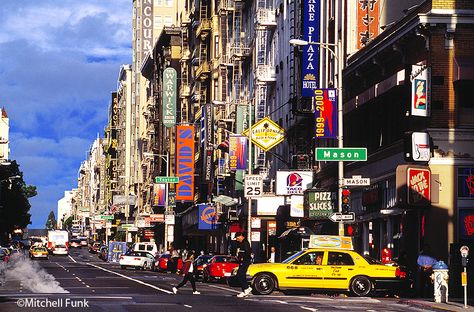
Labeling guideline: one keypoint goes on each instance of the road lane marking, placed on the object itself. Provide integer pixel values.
(132, 279)
(309, 309)
(72, 259)
(224, 288)
(187, 306)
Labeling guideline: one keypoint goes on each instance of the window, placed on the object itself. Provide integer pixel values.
(158, 2)
(311, 258)
(466, 182)
(340, 258)
(167, 21)
(158, 21)
(169, 3)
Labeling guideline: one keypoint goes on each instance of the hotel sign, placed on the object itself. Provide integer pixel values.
(169, 97)
(310, 70)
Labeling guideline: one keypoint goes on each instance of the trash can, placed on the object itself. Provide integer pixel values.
(440, 279)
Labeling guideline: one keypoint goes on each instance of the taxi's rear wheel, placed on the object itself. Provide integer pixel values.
(361, 286)
(264, 284)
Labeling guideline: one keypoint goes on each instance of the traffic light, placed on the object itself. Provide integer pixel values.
(352, 229)
(346, 201)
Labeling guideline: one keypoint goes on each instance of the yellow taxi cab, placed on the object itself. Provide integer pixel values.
(39, 252)
(335, 267)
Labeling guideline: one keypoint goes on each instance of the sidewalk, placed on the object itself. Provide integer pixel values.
(454, 304)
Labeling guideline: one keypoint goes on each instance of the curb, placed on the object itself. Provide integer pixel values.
(443, 307)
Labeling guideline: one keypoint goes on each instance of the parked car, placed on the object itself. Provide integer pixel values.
(137, 259)
(39, 253)
(83, 241)
(199, 264)
(94, 247)
(146, 246)
(103, 252)
(219, 267)
(162, 263)
(75, 243)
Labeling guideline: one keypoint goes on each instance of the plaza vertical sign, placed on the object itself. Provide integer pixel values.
(325, 113)
(207, 143)
(147, 28)
(185, 162)
(310, 69)
(169, 97)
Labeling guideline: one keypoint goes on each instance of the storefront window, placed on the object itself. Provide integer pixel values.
(466, 182)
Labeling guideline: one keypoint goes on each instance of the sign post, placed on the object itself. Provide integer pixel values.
(464, 253)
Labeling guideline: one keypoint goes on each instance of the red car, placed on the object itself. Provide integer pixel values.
(219, 267)
(161, 263)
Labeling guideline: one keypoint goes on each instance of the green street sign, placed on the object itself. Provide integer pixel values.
(105, 217)
(341, 154)
(166, 179)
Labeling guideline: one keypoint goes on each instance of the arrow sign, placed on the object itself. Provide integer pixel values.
(338, 217)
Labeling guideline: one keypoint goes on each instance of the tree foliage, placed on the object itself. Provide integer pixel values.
(67, 224)
(51, 221)
(14, 204)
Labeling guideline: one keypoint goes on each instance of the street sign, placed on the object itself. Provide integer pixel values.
(253, 185)
(166, 179)
(338, 217)
(341, 154)
(356, 181)
(105, 217)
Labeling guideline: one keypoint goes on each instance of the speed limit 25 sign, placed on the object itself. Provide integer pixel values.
(253, 185)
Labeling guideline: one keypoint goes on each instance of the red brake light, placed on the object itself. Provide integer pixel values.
(136, 258)
(400, 273)
(121, 257)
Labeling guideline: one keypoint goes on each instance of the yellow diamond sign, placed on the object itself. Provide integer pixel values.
(266, 134)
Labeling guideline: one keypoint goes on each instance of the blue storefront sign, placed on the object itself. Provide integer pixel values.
(207, 216)
(310, 69)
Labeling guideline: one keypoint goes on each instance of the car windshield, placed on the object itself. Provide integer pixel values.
(202, 260)
(292, 257)
(40, 249)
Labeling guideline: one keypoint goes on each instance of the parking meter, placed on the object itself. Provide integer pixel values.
(464, 253)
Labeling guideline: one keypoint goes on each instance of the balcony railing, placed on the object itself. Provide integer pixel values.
(240, 50)
(265, 73)
(203, 71)
(184, 90)
(266, 17)
(204, 28)
(226, 5)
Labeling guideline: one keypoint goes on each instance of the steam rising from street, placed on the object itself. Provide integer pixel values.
(33, 277)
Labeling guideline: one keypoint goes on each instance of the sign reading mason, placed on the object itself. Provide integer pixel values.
(319, 204)
(169, 97)
(266, 134)
(341, 154)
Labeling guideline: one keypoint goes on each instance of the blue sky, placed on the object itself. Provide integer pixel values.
(59, 62)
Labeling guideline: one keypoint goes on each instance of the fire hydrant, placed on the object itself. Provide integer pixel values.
(440, 279)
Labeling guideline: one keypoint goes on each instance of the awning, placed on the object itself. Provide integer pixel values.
(225, 200)
(463, 68)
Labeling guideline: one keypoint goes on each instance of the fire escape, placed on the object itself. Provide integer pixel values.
(265, 74)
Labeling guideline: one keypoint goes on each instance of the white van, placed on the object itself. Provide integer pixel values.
(148, 247)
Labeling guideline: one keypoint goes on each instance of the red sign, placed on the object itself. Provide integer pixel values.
(470, 184)
(367, 21)
(157, 218)
(185, 163)
(148, 234)
(418, 183)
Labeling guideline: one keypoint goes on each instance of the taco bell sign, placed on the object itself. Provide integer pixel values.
(310, 69)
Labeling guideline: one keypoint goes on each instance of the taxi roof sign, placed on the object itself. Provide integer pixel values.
(331, 241)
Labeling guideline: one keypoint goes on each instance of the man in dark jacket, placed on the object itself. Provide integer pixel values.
(245, 258)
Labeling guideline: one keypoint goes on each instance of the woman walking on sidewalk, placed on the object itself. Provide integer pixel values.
(188, 274)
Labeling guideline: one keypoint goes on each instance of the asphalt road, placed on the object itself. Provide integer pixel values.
(82, 282)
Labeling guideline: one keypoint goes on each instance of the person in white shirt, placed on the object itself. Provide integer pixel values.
(272, 255)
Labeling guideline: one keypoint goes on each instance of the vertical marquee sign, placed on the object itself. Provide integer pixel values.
(185, 163)
(169, 97)
(147, 28)
(207, 143)
(367, 21)
(310, 70)
(325, 113)
(112, 148)
(420, 90)
(238, 152)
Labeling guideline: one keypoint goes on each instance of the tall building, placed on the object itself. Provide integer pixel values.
(4, 135)
(64, 208)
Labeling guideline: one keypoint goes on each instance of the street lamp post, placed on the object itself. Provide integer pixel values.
(338, 55)
(165, 158)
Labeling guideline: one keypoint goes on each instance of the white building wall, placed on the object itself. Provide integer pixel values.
(64, 208)
(4, 135)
